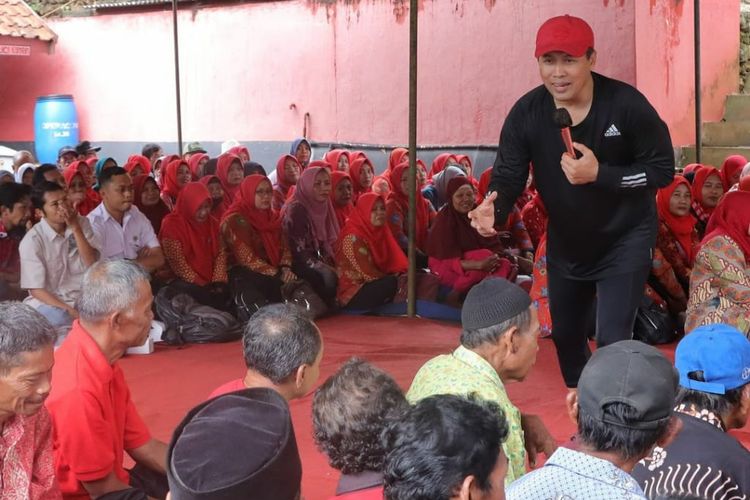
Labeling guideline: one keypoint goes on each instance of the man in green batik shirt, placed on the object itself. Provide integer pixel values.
(498, 344)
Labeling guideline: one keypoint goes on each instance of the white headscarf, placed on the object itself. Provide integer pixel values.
(22, 170)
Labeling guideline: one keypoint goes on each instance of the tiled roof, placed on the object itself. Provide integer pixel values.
(17, 19)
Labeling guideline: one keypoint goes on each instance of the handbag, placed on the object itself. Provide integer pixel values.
(301, 294)
(653, 325)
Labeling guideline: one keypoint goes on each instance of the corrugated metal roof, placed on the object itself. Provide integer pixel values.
(17, 19)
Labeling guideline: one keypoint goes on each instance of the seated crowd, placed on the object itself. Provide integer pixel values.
(86, 244)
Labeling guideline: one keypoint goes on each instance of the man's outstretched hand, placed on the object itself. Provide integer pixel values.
(537, 438)
(483, 217)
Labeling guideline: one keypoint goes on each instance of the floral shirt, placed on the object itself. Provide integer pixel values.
(246, 246)
(465, 372)
(354, 268)
(719, 286)
(27, 460)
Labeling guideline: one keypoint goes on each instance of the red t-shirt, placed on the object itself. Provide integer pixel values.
(232, 386)
(94, 418)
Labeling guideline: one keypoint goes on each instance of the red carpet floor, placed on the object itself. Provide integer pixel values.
(166, 384)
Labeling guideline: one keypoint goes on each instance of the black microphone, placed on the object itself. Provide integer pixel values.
(562, 119)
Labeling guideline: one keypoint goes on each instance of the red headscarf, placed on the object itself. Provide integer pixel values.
(333, 157)
(402, 198)
(170, 186)
(730, 167)
(439, 163)
(397, 156)
(386, 254)
(342, 211)
(356, 155)
(681, 227)
(237, 150)
(92, 198)
(154, 213)
(451, 235)
(355, 169)
(281, 179)
(200, 240)
(194, 167)
(219, 210)
(732, 218)
(267, 222)
(460, 158)
(320, 163)
(223, 165)
(745, 183)
(135, 161)
(703, 173)
(691, 168)
(325, 227)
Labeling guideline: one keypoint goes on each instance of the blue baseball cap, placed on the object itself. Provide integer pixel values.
(721, 352)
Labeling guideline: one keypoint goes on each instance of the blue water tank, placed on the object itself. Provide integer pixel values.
(55, 126)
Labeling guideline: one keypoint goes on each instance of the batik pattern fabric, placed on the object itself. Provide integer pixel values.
(246, 247)
(719, 286)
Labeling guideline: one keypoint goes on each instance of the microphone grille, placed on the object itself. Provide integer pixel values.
(562, 118)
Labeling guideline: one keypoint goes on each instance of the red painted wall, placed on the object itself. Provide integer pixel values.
(665, 64)
(251, 72)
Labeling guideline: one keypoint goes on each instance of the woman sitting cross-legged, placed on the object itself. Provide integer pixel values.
(193, 249)
(458, 254)
(720, 281)
(311, 230)
(252, 232)
(369, 262)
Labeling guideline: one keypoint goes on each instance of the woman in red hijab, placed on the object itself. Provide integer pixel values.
(341, 195)
(196, 163)
(396, 158)
(458, 255)
(252, 232)
(146, 198)
(137, 165)
(80, 194)
(240, 151)
(230, 172)
(731, 169)
(368, 259)
(362, 175)
(193, 249)
(441, 161)
(176, 176)
(288, 171)
(676, 243)
(219, 204)
(707, 190)
(720, 282)
(338, 159)
(397, 209)
(311, 229)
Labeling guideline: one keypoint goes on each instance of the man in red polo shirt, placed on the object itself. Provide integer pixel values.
(94, 417)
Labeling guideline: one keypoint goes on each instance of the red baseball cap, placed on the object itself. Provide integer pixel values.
(568, 34)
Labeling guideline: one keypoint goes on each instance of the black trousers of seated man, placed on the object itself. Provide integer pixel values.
(144, 483)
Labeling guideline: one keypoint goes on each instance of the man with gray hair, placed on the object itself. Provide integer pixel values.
(26, 358)
(93, 413)
(498, 345)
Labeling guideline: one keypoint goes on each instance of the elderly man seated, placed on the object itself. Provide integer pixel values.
(446, 447)
(623, 408)
(94, 416)
(283, 349)
(350, 411)
(714, 397)
(26, 358)
(498, 345)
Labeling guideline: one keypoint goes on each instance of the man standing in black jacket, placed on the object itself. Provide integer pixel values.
(601, 206)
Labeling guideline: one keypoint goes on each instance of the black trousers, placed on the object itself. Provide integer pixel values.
(375, 293)
(244, 280)
(144, 483)
(322, 279)
(207, 295)
(614, 300)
